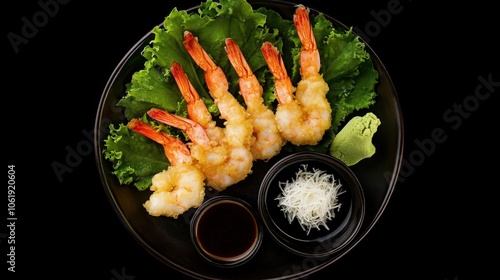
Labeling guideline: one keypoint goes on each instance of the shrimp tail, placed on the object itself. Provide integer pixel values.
(199, 55)
(186, 88)
(309, 55)
(248, 82)
(283, 85)
(236, 58)
(214, 76)
(197, 109)
(195, 131)
(175, 150)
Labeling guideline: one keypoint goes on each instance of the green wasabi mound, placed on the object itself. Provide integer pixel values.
(354, 141)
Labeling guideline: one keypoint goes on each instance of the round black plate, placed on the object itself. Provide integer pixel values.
(169, 240)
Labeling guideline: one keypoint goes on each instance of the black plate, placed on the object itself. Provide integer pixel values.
(165, 238)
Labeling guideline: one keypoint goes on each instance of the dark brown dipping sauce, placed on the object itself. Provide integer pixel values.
(227, 231)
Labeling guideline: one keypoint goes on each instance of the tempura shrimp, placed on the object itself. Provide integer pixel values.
(303, 118)
(238, 126)
(224, 160)
(268, 139)
(178, 188)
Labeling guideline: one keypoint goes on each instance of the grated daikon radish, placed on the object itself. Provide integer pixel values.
(311, 198)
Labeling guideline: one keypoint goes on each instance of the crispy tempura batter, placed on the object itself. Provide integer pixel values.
(268, 139)
(226, 158)
(303, 118)
(178, 188)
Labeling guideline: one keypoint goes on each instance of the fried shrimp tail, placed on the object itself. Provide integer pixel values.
(250, 88)
(175, 150)
(309, 54)
(196, 108)
(284, 88)
(178, 188)
(193, 129)
(214, 76)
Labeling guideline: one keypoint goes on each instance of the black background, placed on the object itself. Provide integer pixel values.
(439, 223)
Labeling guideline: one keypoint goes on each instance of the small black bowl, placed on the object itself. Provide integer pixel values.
(342, 228)
(226, 231)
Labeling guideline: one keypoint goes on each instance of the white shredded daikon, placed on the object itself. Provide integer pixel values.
(311, 198)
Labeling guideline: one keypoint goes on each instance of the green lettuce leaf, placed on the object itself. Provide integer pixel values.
(149, 88)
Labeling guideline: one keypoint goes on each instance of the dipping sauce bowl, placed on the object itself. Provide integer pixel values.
(226, 231)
